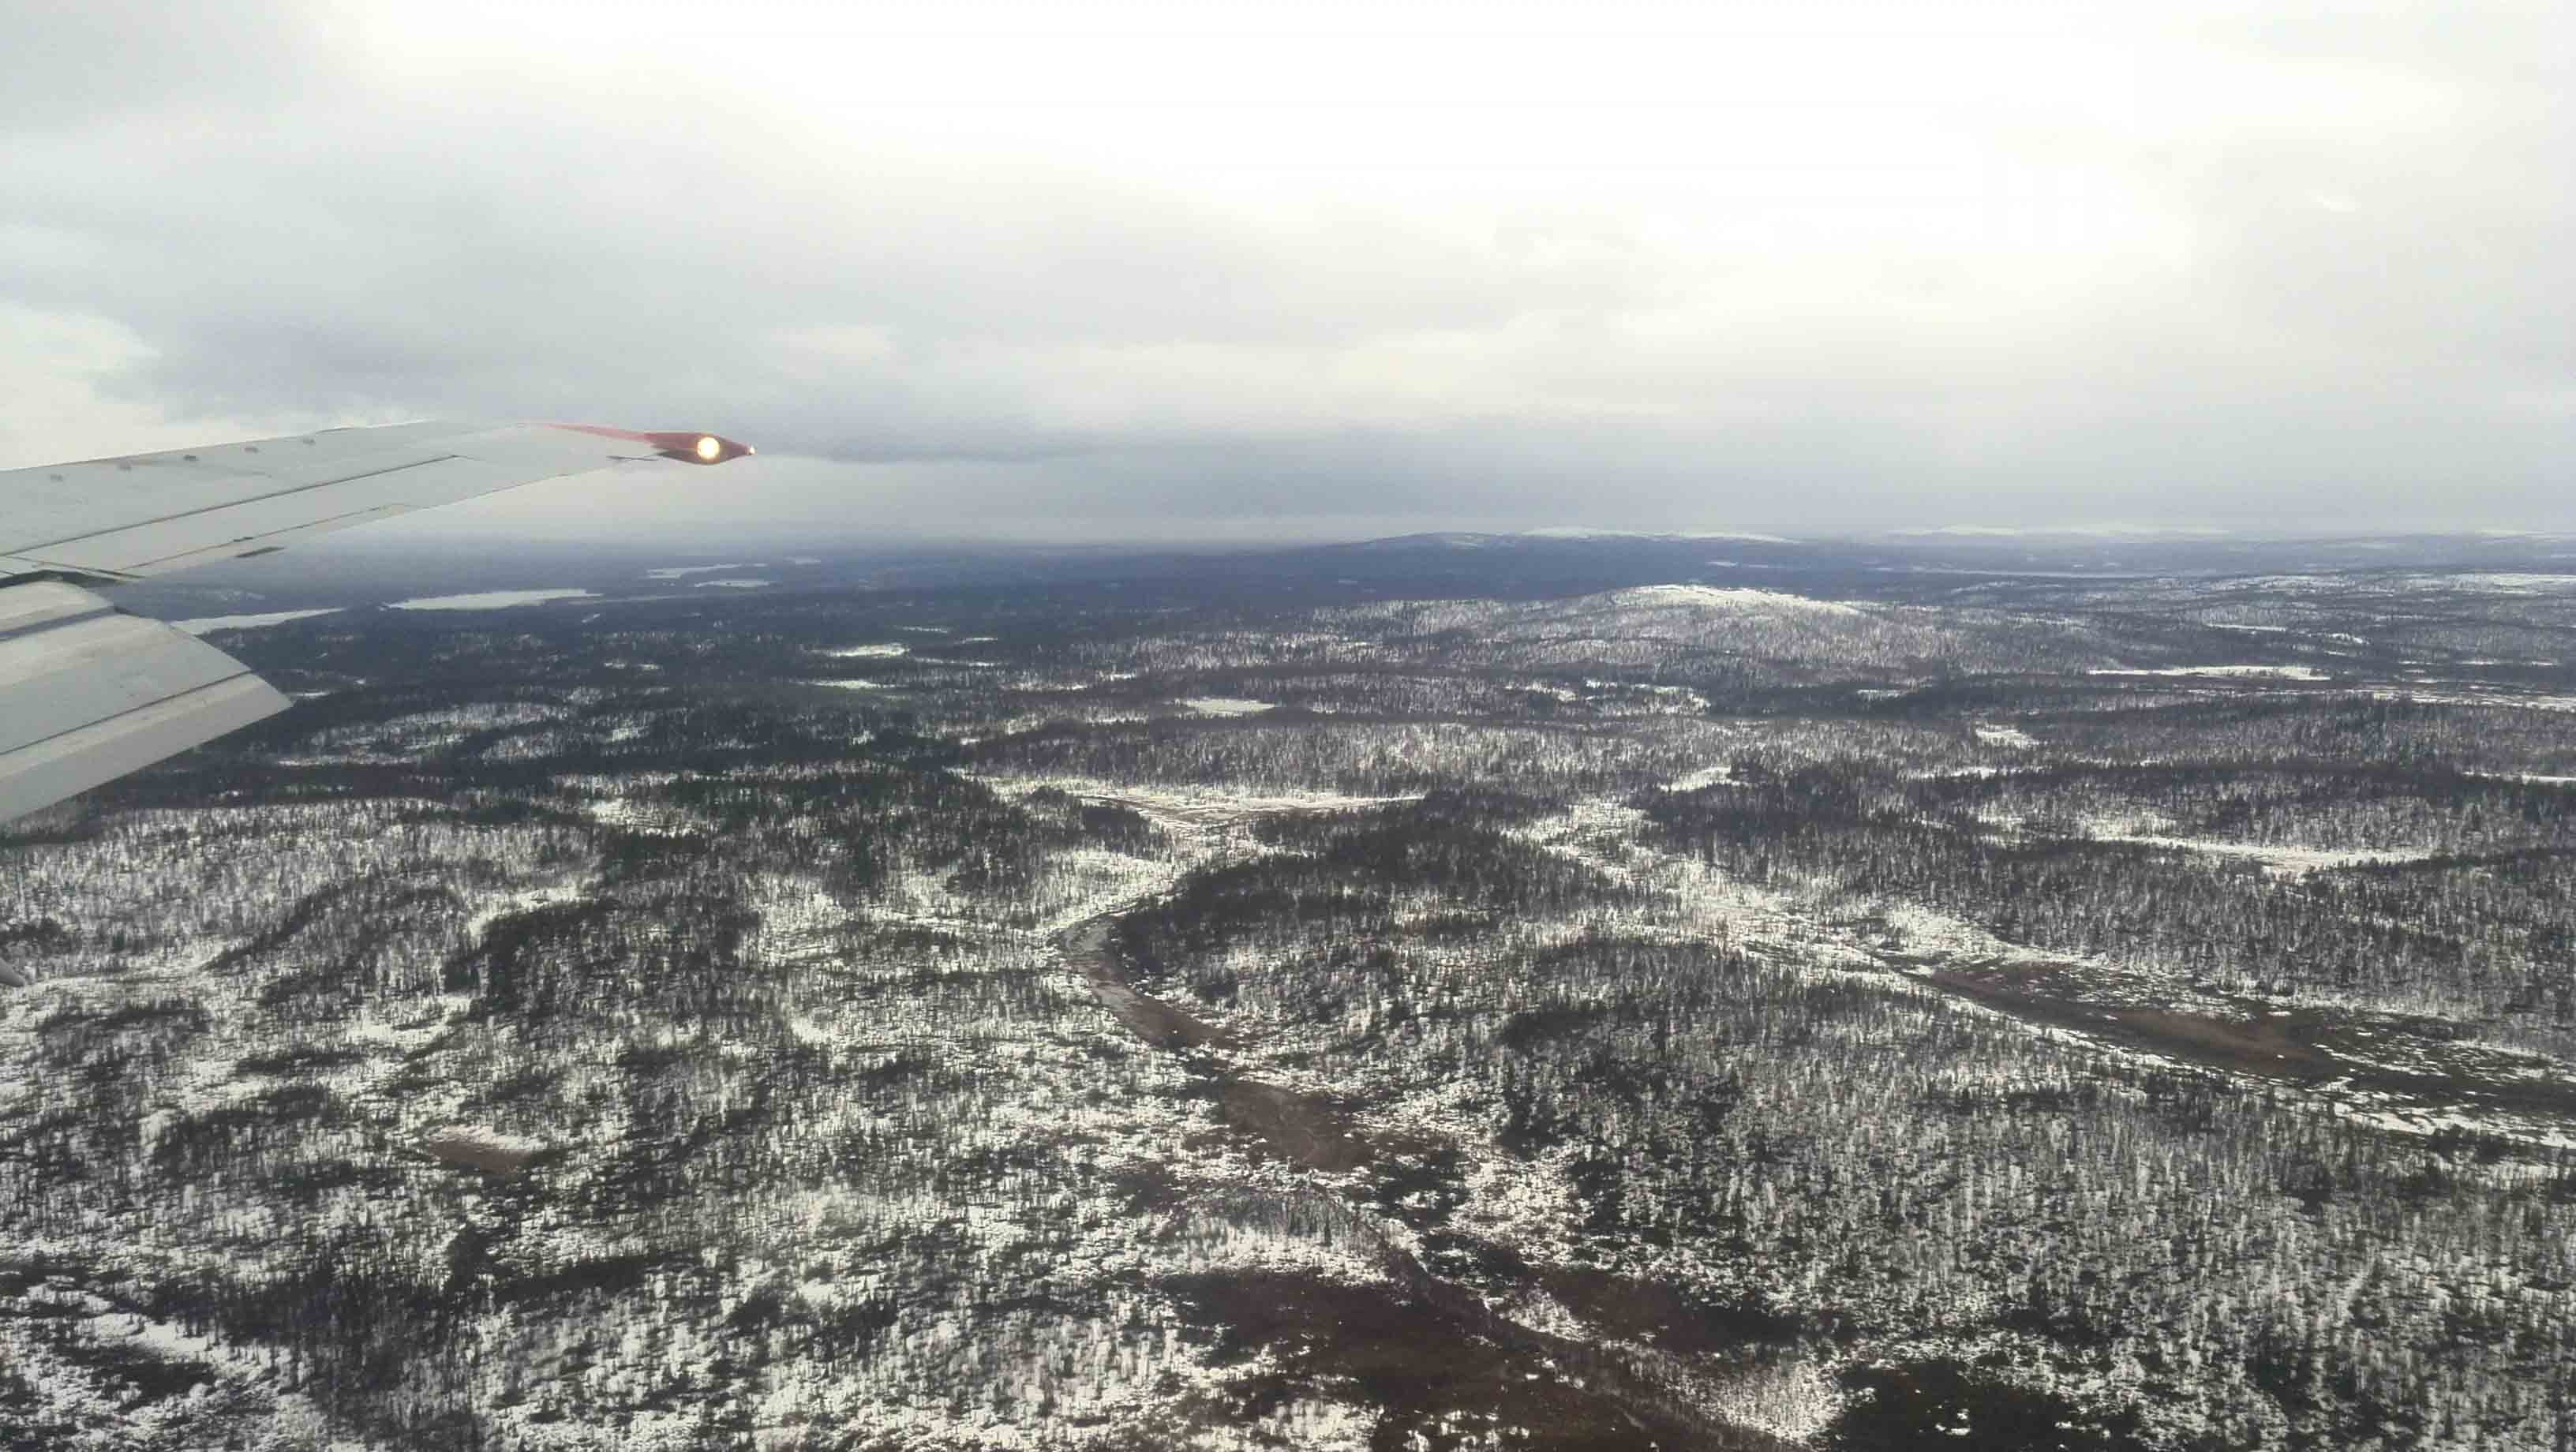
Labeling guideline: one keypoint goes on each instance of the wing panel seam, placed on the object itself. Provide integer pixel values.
(235, 504)
(54, 622)
(149, 706)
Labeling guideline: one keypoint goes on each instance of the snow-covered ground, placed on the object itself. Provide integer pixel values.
(864, 977)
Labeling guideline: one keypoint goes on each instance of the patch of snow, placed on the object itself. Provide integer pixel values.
(2268, 672)
(481, 1146)
(1741, 601)
(733, 584)
(2514, 581)
(613, 812)
(883, 648)
(1227, 706)
(682, 572)
(1316, 1425)
(1574, 531)
(2464, 698)
(2100, 531)
(2136, 822)
(1186, 806)
(2288, 859)
(2384, 1111)
(511, 904)
(205, 623)
(2012, 736)
(1792, 1400)
(491, 599)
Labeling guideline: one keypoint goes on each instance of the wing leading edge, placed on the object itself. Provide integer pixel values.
(88, 693)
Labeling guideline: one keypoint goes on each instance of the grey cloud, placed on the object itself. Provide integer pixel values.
(474, 264)
(78, 66)
(2349, 317)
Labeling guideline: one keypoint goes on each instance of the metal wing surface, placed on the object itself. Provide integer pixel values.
(88, 693)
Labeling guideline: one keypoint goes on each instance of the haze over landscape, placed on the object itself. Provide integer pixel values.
(1765, 728)
(1262, 273)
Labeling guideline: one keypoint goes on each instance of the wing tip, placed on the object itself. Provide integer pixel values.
(687, 446)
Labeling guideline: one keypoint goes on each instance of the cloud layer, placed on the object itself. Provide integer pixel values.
(1322, 268)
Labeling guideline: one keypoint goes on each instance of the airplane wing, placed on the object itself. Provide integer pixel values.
(88, 693)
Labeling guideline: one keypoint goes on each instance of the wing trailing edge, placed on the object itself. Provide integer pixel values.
(88, 694)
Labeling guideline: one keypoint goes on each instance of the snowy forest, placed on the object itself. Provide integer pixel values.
(1449, 993)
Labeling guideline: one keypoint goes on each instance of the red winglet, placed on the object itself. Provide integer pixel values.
(688, 448)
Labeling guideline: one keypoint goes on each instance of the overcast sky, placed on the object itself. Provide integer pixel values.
(1214, 271)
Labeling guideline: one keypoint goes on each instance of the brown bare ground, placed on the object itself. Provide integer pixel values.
(458, 1147)
(1156, 1022)
(2277, 1048)
(2267, 1044)
(1439, 1367)
(1300, 1127)
(1430, 1355)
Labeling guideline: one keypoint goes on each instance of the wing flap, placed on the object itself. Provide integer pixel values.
(88, 694)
